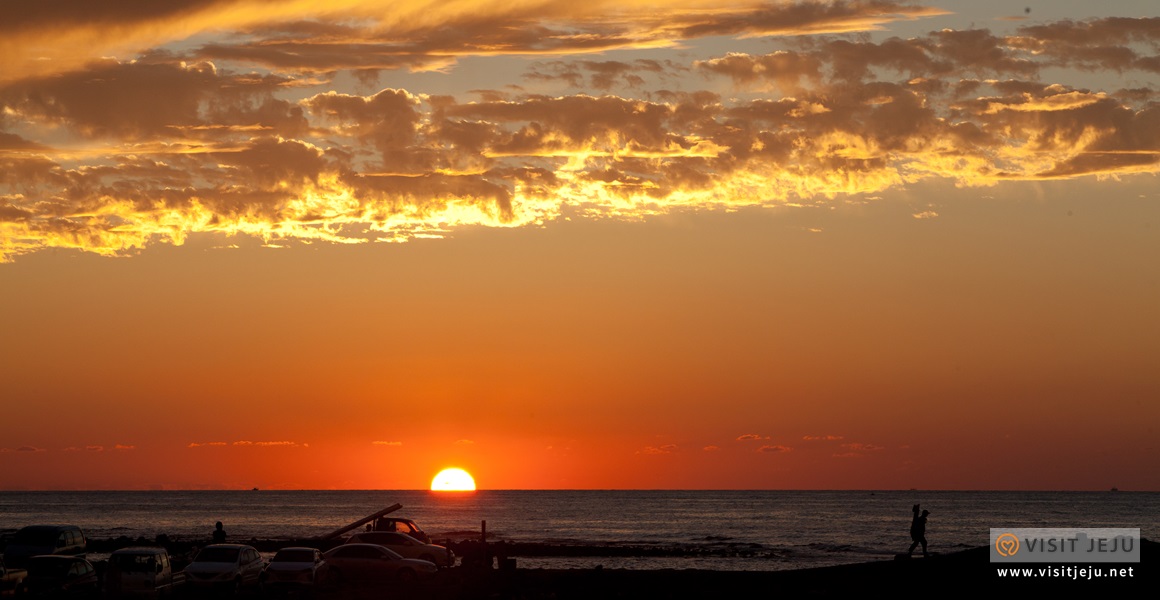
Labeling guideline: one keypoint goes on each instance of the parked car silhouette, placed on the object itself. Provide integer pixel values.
(406, 546)
(35, 540)
(228, 567)
(400, 525)
(371, 562)
(139, 571)
(295, 568)
(56, 576)
(11, 579)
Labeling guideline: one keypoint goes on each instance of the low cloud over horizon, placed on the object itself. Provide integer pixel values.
(248, 443)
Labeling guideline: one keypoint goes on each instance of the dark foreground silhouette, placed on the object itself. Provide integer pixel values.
(968, 572)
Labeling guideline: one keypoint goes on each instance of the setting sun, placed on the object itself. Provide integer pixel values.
(453, 480)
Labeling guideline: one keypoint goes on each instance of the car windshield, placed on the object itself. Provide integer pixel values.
(227, 555)
(294, 556)
(134, 563)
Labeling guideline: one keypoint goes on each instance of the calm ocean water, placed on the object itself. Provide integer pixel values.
(770, 529)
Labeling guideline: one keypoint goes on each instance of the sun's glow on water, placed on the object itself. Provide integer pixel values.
(453, 480)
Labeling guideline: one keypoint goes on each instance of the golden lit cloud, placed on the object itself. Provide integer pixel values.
(774, 449)
(110, 156)
(860, 447)
(663, 449)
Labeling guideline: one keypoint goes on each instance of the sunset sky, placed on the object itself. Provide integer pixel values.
(633, 244)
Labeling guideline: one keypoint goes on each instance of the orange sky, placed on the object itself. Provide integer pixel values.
(636, 245)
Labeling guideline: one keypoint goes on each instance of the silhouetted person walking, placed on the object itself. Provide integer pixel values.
(918, 530)
(219, 534)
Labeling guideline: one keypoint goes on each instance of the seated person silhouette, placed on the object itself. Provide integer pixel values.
(219, 534)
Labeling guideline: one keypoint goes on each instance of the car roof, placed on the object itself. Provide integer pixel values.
(379, 546)
(57, 557)
(45, 528)
(140, 550)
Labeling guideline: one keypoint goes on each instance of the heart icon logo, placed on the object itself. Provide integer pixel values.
(1007, 544)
